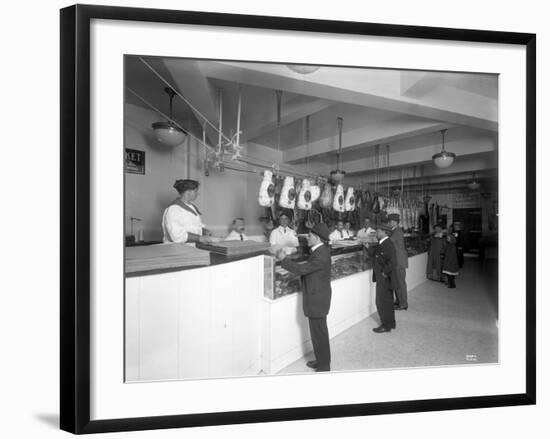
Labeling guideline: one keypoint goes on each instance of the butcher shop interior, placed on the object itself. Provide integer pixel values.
(270, 152)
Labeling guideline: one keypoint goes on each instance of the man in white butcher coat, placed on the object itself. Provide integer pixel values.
(237, 234)
(283, 237)
(339, 233)
(367, 232)
(181, 221)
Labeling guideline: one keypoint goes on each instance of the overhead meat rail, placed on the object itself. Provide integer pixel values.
(233, 143)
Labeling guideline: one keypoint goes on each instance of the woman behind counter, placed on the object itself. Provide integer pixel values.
(181, 221)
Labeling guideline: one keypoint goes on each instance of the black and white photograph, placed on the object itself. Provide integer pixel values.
(299, 219)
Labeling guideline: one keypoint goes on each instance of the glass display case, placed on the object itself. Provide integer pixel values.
(416, 243)
(346, 261)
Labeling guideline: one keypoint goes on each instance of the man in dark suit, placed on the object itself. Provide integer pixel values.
(315, 277)
(383, 270)
(400, 273)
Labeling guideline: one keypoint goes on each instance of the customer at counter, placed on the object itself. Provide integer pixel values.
(402, 258)
(237, 231)
(181, 221)
(316, 289)
(383, 271)
(284, 237)
(339, 233)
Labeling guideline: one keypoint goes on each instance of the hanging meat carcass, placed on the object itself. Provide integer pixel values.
(315, 192)
(338, 201)
(359, 199)
(375, 205)
(304, 196)
(382, 202)
(367, 198)
(266, 197)
(288, 194)
(349, 202)
(326, 198)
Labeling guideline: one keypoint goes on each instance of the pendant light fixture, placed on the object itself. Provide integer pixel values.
(167, 132)
(473, 185)
(338, 175)
(302, 69)
(443, 159)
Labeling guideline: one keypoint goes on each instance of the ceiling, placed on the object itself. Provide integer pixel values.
(403, 111)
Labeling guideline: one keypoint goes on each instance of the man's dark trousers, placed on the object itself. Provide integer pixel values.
(320, 340)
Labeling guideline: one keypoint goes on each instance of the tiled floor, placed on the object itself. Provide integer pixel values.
(441, 327)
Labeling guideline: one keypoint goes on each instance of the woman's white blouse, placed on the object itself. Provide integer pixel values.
(178, 222)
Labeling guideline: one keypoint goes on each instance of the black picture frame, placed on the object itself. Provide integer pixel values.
(75, 217)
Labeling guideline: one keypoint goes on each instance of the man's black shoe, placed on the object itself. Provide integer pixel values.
(381, 329)
(312, 364)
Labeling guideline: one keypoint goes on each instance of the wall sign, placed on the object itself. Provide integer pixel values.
(135, 161)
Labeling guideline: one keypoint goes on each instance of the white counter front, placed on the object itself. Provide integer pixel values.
(196, 323)
(215, 321)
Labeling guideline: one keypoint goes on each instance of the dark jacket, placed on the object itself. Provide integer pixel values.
(450, 262)
(315, 277)
(398, 240)
(385, 260)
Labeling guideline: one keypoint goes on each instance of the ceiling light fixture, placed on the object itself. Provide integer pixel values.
(443, 159)
(167, 132)
(473, 185)
(302, 69)
(338, 175)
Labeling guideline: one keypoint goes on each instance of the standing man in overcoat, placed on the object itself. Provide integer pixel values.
(402, 258)
(382, 273)
(315, 278)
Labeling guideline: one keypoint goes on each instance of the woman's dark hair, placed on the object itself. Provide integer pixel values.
(185, 185)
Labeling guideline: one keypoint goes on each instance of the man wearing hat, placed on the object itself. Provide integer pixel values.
(382, 273)
(400, 273)
(315, 279)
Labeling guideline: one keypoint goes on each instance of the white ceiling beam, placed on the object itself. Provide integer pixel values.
(290, 113)
(462, 109)
(411, 157)
(417, 84)
(368, 135)
(196, 88)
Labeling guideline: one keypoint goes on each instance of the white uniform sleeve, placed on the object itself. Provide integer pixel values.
(295, 242)
(175, 226)
(273, 237)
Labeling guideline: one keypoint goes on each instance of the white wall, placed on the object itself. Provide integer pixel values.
(222, 195)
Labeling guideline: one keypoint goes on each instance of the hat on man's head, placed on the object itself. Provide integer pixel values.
(321, 230)
(385, 227)
(393, 217)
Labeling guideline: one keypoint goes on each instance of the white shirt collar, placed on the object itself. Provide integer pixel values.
(383, 239)
(316, 246)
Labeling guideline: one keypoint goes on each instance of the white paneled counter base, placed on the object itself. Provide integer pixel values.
(215, 321)
(196, 323)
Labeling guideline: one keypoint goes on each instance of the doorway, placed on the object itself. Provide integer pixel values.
(470, 220)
